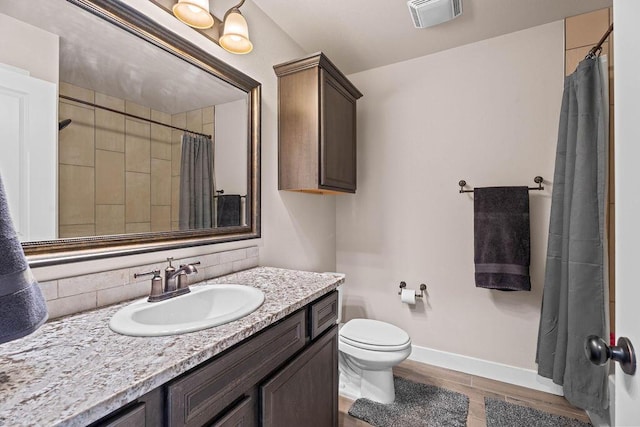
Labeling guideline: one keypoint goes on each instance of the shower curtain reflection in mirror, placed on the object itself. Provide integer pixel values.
(197, 183)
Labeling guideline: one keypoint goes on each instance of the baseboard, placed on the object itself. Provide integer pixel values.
(485, 368)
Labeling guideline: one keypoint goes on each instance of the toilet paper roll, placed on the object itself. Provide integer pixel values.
(408, 296)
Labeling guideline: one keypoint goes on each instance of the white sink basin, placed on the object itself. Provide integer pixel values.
(205, 306)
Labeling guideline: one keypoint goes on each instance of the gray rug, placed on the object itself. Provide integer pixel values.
(416, 405)
(504, 414)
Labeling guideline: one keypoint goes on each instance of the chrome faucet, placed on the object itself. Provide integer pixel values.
(176, 281)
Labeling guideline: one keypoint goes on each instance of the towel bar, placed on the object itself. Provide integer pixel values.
(538, 180)
(221, 192)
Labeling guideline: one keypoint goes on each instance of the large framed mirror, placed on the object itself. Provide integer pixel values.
(120, 137)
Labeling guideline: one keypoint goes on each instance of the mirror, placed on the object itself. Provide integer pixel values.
(126, 137)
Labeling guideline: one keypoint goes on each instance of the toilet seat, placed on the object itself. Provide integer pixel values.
(374, 335)
(373, 347)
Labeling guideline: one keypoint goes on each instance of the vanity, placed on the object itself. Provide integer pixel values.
(275, 367)
(119, 142)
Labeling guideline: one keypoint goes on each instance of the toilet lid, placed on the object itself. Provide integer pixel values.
(373, 333)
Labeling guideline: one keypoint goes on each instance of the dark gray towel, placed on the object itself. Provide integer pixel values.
(502, 236)
(229, 210)
(22, 306)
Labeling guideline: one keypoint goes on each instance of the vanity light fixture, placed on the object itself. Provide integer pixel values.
(231, 33)
(235, 34)
(194, 13)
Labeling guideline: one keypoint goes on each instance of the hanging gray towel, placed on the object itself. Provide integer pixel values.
(501, 232)
(22, 306)
(229, 210)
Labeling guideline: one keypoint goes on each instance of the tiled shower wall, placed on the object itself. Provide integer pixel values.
(79, 293)
(134, 165)
(582, 32)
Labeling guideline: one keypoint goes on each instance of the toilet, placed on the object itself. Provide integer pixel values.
(367, 351)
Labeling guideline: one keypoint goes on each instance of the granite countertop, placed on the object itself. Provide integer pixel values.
(75, 370)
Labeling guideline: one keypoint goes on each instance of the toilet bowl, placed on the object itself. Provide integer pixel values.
(367, 351)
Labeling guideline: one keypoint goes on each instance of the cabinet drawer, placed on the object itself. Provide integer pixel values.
(199, 396)
(242, 415)
(324, 314)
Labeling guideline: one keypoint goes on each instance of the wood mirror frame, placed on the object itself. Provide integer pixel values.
(51, 252)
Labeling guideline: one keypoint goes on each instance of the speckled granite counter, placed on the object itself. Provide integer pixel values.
(75, 370)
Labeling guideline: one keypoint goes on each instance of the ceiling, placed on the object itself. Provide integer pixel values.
(97, 55)
(362, 34)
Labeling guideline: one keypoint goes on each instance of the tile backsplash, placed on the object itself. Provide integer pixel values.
(70, 295)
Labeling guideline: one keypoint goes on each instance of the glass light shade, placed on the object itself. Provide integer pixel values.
(194, 13)
(235, 36)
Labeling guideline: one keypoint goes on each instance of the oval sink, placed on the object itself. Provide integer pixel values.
(205, 306)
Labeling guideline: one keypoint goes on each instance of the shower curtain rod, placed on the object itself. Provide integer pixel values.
(131, 115)
(597, 48)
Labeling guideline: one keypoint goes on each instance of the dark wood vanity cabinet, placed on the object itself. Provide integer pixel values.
(286, 375)
(316, 127)
(305, 392)
(200, 396)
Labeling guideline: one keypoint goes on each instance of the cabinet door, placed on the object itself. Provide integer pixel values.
(305, 392)
(338, 136)
(242, 415)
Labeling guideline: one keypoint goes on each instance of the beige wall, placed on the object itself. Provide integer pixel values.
(486, 113)
(37, 51)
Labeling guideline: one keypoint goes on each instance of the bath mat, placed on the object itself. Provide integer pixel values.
(416, 405)
(504, 414)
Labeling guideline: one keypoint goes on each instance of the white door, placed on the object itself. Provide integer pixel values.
(626, 57)
(28, 152)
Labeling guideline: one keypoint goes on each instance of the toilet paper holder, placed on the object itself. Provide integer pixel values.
(423, 288)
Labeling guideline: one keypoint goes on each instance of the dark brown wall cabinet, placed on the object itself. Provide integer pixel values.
(287, 375)
(316, 127)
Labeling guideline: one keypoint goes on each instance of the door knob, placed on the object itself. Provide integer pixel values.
(598, 352)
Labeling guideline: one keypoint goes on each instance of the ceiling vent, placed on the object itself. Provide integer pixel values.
(427, 13)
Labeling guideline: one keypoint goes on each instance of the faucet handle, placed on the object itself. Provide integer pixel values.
(148, 273)
(170, 260)
(156, 284)
(186, 269)
(190, 263)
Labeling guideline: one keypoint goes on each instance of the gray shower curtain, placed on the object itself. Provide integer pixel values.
(197, 187)
(573, 303)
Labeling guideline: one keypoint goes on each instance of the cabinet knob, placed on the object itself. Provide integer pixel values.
(598, 352)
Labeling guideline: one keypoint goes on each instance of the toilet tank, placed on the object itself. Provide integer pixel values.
(339, 289)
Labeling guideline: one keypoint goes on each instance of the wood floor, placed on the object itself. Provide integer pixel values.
(477, 388)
